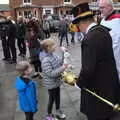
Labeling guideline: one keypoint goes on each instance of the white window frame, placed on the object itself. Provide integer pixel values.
(28, 13)
(68, 2)
(48, 8)
(27, 2)
(48, 12)
(20, 13)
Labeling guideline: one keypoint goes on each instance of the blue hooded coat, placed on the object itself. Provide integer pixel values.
(26, 95)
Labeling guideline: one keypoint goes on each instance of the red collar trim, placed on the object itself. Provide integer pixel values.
(113, 16)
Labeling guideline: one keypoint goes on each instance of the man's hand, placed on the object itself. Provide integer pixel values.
(64, 49)
(65, 66)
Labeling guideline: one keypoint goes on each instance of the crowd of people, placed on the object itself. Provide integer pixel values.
(12, 32)
(100, 60)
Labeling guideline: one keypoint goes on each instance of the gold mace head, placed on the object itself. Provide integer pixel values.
(116, 107)
(69, 78)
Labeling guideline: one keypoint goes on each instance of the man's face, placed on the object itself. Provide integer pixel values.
(105, 8)
(80, 24)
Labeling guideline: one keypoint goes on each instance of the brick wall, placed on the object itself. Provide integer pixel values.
(56, 2)
(16, 3)
(46, 2)
(13, 4)
(75, 2)
(5, 13)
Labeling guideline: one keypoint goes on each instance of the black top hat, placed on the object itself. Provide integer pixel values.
(81, 11)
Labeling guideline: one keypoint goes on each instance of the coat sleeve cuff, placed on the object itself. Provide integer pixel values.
(77, 86)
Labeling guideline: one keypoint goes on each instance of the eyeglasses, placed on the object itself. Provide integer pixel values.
(103, 7)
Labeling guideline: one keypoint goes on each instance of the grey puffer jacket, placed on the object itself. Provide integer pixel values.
(52, 69)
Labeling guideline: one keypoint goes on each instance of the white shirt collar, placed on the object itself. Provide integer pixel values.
(90, 26)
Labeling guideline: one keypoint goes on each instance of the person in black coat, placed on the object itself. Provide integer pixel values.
(11, 34)
(21, 31)
(63, 31)
(98, 72)
(33, 39)
(5, 45)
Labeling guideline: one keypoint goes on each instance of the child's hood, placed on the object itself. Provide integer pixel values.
(42, 55)
(20, 85)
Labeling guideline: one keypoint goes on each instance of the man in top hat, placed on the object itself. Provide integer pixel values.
(98, 72)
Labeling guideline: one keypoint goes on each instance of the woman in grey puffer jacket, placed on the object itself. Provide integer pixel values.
(52, 67)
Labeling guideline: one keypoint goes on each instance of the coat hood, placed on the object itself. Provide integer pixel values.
(42, 55)
(20, 85)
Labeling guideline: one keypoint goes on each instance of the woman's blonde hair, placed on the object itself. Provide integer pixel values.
(48, 43)
(22, 66)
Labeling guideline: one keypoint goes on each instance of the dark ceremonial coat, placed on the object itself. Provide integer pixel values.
(98, 74)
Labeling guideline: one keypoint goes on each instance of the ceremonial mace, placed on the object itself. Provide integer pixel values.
(116, 107)
(70, 78)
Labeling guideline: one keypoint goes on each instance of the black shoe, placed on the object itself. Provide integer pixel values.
(19, 54)
(23, 55)
(4, 59)
(12, 62)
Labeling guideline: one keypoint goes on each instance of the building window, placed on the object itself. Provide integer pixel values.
(27, 1)
(35, 13)
(27, 14)
(61, 12)
(20, 14)
(47, 12)
(94, 0)
(67, 12)
(67, 1)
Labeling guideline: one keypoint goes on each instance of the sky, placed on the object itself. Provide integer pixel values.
(4, 1)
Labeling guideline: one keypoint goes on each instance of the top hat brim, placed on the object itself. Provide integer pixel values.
(88, 14)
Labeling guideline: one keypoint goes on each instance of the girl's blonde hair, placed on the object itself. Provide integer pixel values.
(48, 43)
(22, 66)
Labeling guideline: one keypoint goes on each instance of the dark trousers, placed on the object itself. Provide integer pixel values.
(29, 115)
(12, 48)
(47, 33)
(37, 65)
(62, 37)
(54, 96)
(5, 46)
(72, 39)
(21, 45)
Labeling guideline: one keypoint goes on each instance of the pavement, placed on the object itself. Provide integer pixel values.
(70, 96)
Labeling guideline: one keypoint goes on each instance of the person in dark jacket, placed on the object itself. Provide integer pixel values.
(5, 45)
(98, 72)
(46, 28)
(34, 45)
(26, 89)
(11, 34)
(63, 31)
(21, 31)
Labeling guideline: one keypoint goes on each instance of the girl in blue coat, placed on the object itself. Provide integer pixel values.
(26, 90)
